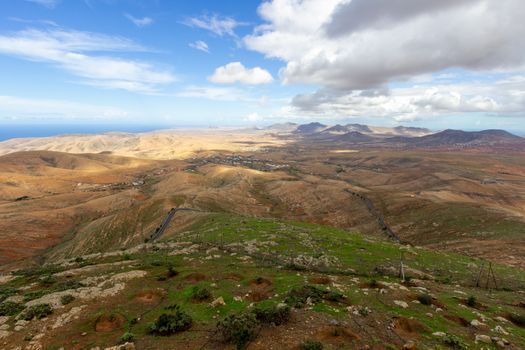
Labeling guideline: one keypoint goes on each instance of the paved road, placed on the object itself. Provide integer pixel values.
(162, 228)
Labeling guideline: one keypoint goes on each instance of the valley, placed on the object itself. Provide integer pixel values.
(300, 208)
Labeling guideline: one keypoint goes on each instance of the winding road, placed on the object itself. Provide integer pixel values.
(162, 228)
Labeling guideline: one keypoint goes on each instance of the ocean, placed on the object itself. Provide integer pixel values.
(9, 131)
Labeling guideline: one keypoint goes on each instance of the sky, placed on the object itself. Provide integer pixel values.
(431, 63)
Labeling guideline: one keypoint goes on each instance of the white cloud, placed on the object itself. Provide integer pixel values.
(504, 97)
(13, 106)
(216, 24)
(47, 3)
(253, 117)
(212, 93)
(385, 41)
(139, 22)
(236, 72)
(200, 45)
(74, 51)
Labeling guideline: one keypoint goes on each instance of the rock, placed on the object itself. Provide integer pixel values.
(439, 334)
(439, 309)
(429, 314)
(477, 324)
(4, 319)
(500, 330)
(400, 303)
(218, 302)
(409, 346)
(482, 338)
(125, 346)
(501, 319)
(4, 334)
(4, 327)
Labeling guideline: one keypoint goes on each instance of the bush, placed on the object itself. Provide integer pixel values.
(127, 338)
(454, 341)
(172, 272)
(334, 296)
(9, 308)
(37, 311)
(66, 299)
(472, 301)
(425, 299)
(6, 292)
(373, 283)
(59, 287)
(170, 323)
(276, 315)
(199, 293)
(238, 329)
(35, 295)
(298, 297)
(518, 320)
(311, 345)
(47, 280)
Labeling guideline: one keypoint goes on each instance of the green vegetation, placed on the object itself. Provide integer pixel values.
(66, 299)
(273, 315)
(200, 293)
(311, 345)
(37, 311)
(127, 337)
(454, 341)
(238, 329)
(425, 299)
(170, 323)
(9, 308)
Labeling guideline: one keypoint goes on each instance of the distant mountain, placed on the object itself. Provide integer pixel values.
(336, 129)
(451, 137)
(411, 131)
(358, 127)
(310, 128)
(283, 127)
(354, 136)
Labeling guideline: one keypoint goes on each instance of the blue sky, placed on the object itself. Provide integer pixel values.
(202, 63)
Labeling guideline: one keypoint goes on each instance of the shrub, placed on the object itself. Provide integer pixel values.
(425, 299)
(311, 345)
(35, 295)
(199, 293)
(298, 297)
(9, 308)
(518, 320)
(66, 299)
(161, 278)
(170, 323)
(334, 296)
(47, 280)
(373, 283)
(172, 272)
(79, 259)
(454, 341)
(276, 315)
(59, 287)
(472, 301)
(37, 311)
(6, 292)
(127, 337)
(238, 329)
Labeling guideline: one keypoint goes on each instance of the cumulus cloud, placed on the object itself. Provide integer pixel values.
(236, 72)
(363, 44)
(200, 45)
(503, 97)
(139, 22)
(219, 25)
(79, 53)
